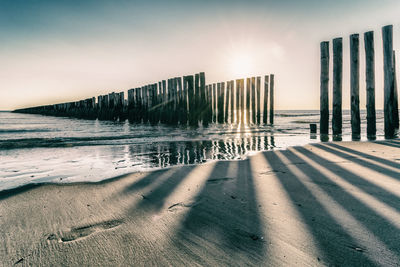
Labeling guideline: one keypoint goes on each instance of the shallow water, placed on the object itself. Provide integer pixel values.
(35, 148)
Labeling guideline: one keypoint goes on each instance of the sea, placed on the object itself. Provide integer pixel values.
(43, 149)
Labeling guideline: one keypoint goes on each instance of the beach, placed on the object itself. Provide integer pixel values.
(320, 204)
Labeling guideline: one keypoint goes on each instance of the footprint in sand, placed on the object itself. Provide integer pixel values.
(83, 231)
(178, 206)
(219, 180)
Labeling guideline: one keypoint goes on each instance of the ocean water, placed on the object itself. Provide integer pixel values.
(39, 149)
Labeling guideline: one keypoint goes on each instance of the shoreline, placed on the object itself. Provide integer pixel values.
(29, 186)
(279, 207)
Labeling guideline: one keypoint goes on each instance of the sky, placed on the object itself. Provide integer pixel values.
(67, 50)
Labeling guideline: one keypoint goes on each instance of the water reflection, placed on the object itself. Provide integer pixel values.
(167, 154)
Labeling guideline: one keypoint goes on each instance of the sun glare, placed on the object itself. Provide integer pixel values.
(241, 65)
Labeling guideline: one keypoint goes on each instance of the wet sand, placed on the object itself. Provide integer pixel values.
(322, 204)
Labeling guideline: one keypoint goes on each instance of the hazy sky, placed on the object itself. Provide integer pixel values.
(66, 50)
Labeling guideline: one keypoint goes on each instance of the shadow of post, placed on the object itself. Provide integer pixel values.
(225, 218)
(330, 237)
(370, 219)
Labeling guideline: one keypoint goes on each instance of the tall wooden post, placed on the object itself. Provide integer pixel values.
(197, 96)
(232, 101)
(395, 97)
(337, 87)
(240, 88)
(185, 103)
(203, 98)
(190, 87)
(387, 36)
(258, 92)
(227, 99)
(221, 102)
(253, 96)
(355, 86)
(214, 99)
(237, 108)
(271, 98)
(248, 93)
(210, 103)
(266, 89)
(324, 87)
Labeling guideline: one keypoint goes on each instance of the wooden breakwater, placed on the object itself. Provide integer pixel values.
(391, 113)
(186, 100)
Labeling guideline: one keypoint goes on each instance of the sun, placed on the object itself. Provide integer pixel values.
(241, 65)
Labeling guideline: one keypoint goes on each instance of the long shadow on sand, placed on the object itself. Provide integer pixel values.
(365, 155)
(360, 161)
(389, 143)
(370, 219)
(378, 192)
(336, 244)
(156, 198)
(226, 217)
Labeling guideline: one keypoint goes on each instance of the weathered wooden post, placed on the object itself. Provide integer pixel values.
(232, 101)
(370, 83)
(138, 105)
(258, 102)
(215, 102)
(253, 100)
(395, 97)
(227, 99)
(241, 107)
(266, 89)
(387, 36)
(271, 98)
(324, 92)
(248, 89)
(164, 102)
(197, 96)
(185, 102)
(210, 103)
(203, 99)
(190, 90)
(237, 107)
(221, 96)
(355, 86)
(175, 116)
(337, 88)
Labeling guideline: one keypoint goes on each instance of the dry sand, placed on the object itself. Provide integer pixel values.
(324, 204)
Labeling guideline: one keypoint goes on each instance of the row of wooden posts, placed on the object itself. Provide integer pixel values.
(181, 100)
(391, 114)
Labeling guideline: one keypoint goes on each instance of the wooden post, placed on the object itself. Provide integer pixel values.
(237, 103)
(232, 83)
(197, 96)
(185, 103)
(258, 102)
(190, 87)
(253, 100)
(241, 107)
(271, 98)
(266, 89)
(355, 86)
(324, 91)
(215, 104)
(227, 99)
(337, 87)
(203, 99)
(163, 116)
(395, 96)
(221, 94)
(210, 103)
(248, 89)
(387, 36)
